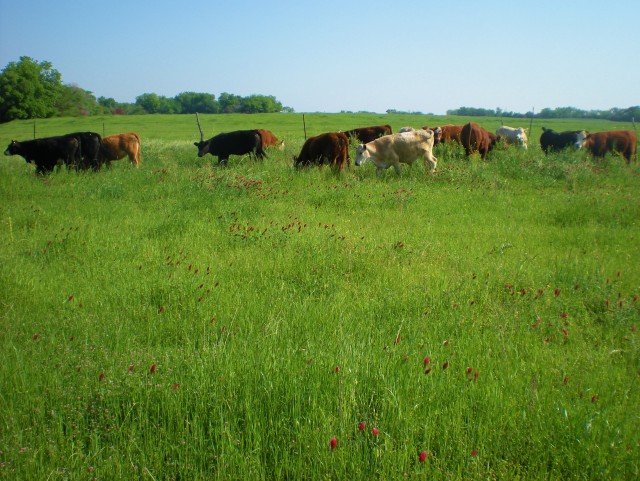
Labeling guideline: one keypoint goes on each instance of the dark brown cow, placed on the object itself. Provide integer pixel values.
(623, 142)
(367, 134)
(450, 133)
(115, 147)
(477, 139)
(269, 139)
(330, 148)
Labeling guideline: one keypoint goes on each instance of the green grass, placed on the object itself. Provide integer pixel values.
(184, 321)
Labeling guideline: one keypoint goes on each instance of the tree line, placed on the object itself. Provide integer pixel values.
(615, 114)
(31, 89)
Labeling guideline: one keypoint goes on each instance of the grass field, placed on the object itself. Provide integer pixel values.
(185, 321)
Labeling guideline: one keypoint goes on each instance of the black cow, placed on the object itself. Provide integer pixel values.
(90, 146)
(47, 152)
(555, 141)
(239, 142)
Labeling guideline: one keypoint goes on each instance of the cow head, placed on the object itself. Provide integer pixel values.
(203, 147)
(12, 148)
(581, 139)
(362, 154)
(437, 135)
(493, 140)
(298, 162)
(521, 138)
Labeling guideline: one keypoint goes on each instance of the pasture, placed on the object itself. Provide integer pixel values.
(186, 321)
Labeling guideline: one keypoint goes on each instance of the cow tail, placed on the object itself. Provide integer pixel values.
(260, 153)
(139, 155)
(346, 147)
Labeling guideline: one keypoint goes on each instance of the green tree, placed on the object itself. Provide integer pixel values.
(28, 89)
(107, 104)
(192, 102)
(255, 104)
(149, 102)
(73, 101)
(229, 103)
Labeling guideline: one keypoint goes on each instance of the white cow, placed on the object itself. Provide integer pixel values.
(405, 147)
(513, 136)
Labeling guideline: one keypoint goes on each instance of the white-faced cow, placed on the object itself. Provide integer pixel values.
(117, 146)
(238, 142)
(623, 142)
(330, 148)
(45, 153)
(552, 141)
(513, 136)
(392, 150)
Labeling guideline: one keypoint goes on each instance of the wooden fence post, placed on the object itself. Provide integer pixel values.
(304, 125)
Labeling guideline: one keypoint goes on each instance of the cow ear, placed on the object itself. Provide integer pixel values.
(196, 144)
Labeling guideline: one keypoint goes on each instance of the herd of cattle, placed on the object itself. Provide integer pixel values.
(79, 150)
(377, 144)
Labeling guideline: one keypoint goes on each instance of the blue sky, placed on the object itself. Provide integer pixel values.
(330, 56)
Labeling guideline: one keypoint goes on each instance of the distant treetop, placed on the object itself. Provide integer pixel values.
(615, 114)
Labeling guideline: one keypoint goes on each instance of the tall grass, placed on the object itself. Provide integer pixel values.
(184, 321)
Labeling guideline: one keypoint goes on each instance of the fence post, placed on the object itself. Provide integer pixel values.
(533, 110)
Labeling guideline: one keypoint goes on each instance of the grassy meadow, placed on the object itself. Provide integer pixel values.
(183, 321)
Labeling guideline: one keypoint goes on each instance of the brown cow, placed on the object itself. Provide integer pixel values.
(450, 133)
(367, 134)
(331, 148)
(270, 140)
(622, 141)
(115, 147)
(476, 139)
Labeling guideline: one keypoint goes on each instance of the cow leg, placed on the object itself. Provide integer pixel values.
(396, 167)
(432, 160)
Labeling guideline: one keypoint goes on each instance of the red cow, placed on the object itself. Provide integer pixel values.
(622, 141)
(450, 133)
(330, 148)
(367, 134)
(115, 147)
(270, 140)
(476, 139)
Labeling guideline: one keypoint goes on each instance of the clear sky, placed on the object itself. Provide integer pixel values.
(334, 55)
